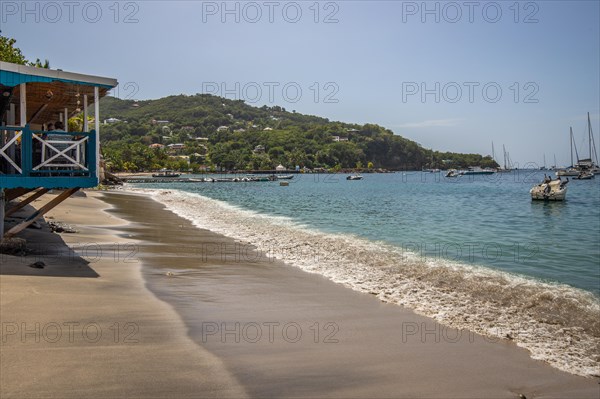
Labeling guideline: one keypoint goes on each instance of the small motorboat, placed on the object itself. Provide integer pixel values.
(476, 170)
(284, 177)
(585, 176)
(354, 177)
(453, 173)
(166, 173)
(573, 172)
(550, 190)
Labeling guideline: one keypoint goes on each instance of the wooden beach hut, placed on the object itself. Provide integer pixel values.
(34, 160)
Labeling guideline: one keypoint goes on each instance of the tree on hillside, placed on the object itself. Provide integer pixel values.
(10, 53)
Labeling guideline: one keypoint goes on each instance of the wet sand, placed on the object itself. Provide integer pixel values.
(283, 332)
(85, 326)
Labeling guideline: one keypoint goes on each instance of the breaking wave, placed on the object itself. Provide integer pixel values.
(557, 323)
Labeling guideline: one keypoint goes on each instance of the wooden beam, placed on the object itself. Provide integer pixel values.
(25, 202)
(38, 112)
(11, 194)
(40, 212)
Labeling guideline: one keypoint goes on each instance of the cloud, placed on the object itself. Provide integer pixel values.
(432, 123)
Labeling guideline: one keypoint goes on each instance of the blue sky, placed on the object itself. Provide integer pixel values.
(354, 61)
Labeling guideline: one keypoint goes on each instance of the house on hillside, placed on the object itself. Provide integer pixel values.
(338, 138)
(112, 120)
(176, 147)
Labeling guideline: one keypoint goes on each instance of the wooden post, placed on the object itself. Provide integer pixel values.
(66, 120)
(23, 104)
(40, 212)
(85, 113)
(10, 121)
(2, 204)
(97, 127)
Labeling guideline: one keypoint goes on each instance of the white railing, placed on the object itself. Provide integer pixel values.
(62, 153)
(8, 152)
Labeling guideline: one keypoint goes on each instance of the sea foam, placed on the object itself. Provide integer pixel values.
(557, 323)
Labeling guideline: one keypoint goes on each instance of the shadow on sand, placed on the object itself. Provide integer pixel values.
(47, 254)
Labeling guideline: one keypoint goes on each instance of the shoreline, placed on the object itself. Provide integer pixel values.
(496, 304)
(86, 326)
(350, 344)
(223, 296)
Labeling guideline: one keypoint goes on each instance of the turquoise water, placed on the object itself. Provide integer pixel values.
(478, 220)
(472, 252)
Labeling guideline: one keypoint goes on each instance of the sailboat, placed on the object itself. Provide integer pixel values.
(544, 167)
(588, 165)
(507, 166)
(571, 170)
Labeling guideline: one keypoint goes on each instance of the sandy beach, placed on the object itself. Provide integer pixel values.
(140, 303)
(85, 325)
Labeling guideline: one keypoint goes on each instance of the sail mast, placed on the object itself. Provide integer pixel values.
(544, 160)
(571, 138)
(574, 145)
(593, 141)
(590, 135)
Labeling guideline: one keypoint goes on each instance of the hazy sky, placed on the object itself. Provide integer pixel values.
(450, 75)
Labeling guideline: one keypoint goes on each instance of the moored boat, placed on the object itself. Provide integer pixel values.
(550, 190)
(476, 170)
(586, 175)
(568, 172)
(354, 177)
(166, 173)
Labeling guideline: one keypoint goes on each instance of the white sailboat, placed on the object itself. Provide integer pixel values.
(589, 165)
(571, 170)
(507, 166)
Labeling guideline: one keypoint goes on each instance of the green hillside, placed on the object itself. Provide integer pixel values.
(229, 134)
